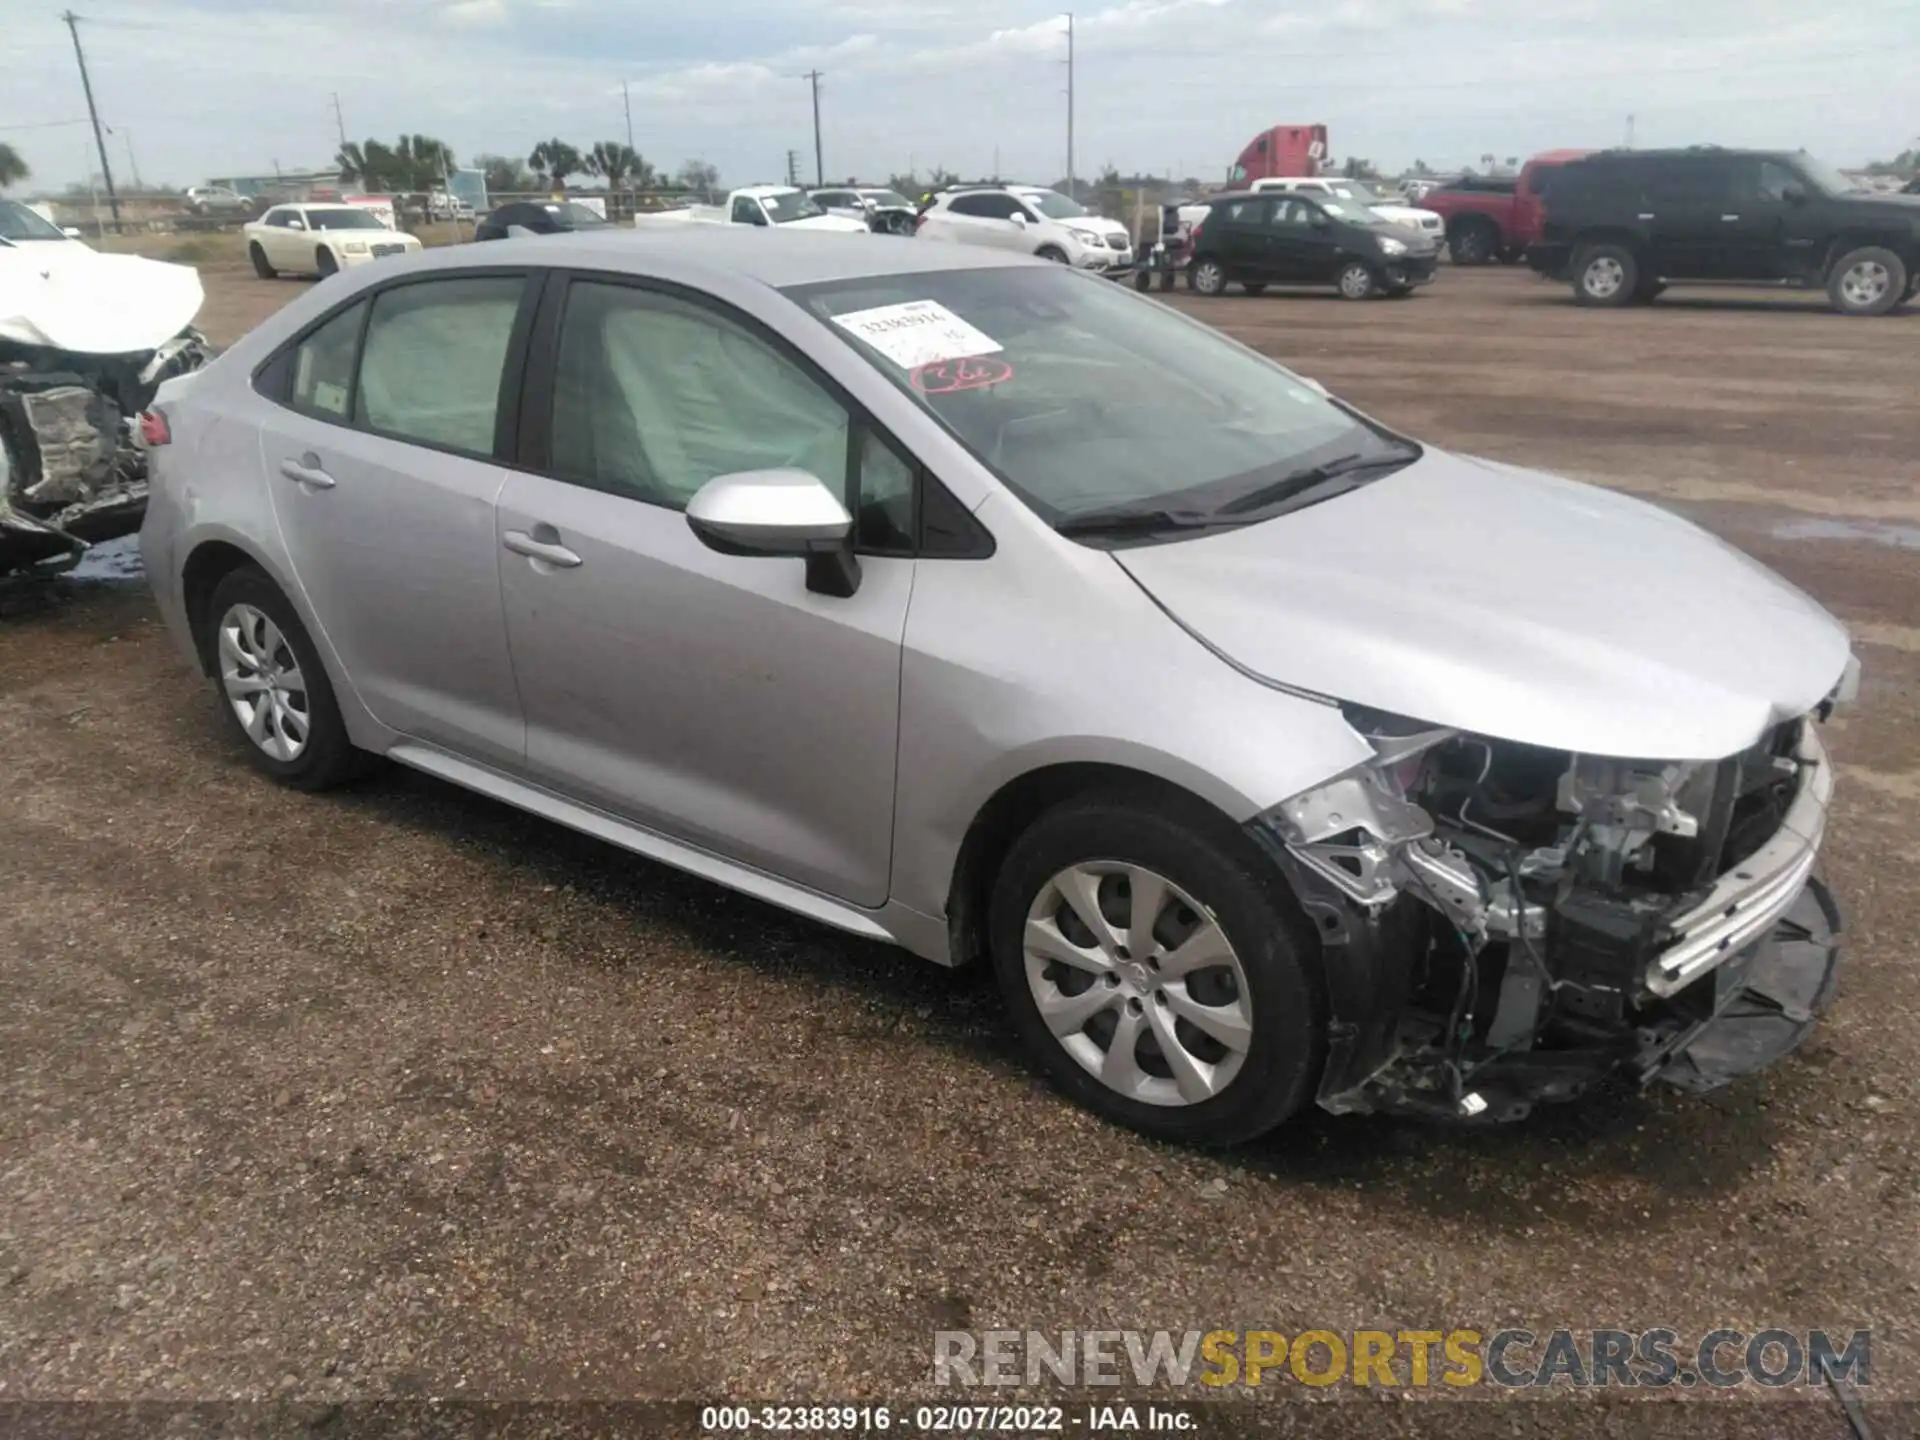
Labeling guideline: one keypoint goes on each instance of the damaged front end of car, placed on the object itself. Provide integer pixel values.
(85, 341)
(73, 470)
(1505, 924)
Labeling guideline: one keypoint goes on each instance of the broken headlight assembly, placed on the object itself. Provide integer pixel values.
(1524, 920)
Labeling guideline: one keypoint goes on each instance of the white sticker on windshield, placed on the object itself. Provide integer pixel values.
(921, 332)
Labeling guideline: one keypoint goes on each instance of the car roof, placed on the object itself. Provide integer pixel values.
(775, 259)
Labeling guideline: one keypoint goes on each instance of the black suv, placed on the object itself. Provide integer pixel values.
(1283, 237)
(1621, 223)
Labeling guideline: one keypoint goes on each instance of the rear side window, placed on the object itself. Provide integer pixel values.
(433, 360)
(323, 366)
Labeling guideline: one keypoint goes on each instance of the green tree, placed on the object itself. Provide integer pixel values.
(413, 162)
(698, 175)
(12, 168)
(504, 173)
(1358, 169)
(554, 160)
(620, 165)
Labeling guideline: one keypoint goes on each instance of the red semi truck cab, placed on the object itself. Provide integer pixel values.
(1282, 150)
(1495, 219)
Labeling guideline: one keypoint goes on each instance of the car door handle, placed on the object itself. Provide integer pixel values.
(1729, 217)
(534, 548)
(306, 471)
(1647, 215)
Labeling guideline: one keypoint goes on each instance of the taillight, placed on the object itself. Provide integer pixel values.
(154, 429)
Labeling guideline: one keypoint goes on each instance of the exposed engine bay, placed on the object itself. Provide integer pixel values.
(1506, 924)
(85, 341)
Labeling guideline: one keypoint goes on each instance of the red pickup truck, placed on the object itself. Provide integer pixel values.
(1492, 219)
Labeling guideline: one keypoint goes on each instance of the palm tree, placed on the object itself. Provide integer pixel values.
(555, 159)
(620, 165)
(12, 167)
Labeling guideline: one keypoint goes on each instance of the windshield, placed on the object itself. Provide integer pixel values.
(576, 214)
(344, 219)
(1365, 194)
(1823, 175)
(888, 197)
(1352, 210)
(1052, 204)
(1088, 400)
(785, 205)
(17, 222)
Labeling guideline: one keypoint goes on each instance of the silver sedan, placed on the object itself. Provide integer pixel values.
(966, 602)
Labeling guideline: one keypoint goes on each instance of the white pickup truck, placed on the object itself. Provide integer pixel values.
(781, 205)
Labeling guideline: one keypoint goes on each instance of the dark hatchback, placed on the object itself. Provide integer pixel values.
(541, 217)
(1259, 240)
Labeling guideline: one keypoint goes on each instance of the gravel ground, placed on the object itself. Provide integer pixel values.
(400, 1093)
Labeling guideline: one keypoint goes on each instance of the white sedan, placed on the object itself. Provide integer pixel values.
(320, 239)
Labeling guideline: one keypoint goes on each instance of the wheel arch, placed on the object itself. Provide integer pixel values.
(1017, 803)
(207, 564)
(1860, 237)
(1605, 235)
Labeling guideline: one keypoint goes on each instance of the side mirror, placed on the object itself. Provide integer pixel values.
(1320, 220)
(1794, 195)
(779, 513)
(296, 224)
(1019, 218)
(1315, 386)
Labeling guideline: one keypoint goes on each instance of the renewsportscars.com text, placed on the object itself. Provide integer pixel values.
(1401, 1359)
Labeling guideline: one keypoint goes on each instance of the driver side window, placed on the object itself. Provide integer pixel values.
(746, 211)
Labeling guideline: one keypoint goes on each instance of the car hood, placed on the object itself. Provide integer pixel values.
(1511, 604)
(68, 297)
(1403, 214)
(1096, 225)
(826, 222)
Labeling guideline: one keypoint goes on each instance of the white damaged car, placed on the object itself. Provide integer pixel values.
(85, 340)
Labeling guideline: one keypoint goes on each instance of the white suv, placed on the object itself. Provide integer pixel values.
(1032, 221)
(1412, 216)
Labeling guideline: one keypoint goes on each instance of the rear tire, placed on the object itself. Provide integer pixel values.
(264, 664)
(324, 263)
(1473, 242)
(1605, 274)
(1207, 277)
(260, 265)
(1053, 253)
(1215, 1053)
(1357, 281)
(1868, 281)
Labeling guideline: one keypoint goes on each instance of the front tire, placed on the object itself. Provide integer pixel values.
(1473, 242)
(260, 265)
(323, 262)
(1606, 274)
(1207, 277)
(1158, 969)
(274, 691)
(1357, 281)
(1053, 253)
(1867, 281)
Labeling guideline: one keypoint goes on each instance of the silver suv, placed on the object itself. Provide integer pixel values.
(971, 603)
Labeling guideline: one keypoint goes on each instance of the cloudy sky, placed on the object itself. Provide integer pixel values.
(207, 87)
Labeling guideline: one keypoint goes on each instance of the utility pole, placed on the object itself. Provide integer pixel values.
(793, 168)
(627, 105)
(1072, 187)
(339, 121)
(1629, 132)
(819, 165)
(99, 139)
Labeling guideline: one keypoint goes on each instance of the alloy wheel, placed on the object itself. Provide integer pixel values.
(1865, 284)
(1210, 278)
(1356, 282)
(1138, 982)
(261, 677)
(1604, 277)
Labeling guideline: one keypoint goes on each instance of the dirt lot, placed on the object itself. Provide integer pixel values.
(399, 1092)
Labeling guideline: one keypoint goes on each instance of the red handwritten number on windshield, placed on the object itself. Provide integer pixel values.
(971, 372)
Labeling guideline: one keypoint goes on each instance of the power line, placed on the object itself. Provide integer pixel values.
(819, 165)
(93, 113)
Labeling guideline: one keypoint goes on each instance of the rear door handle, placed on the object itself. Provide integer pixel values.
(1729, 217)
(538, 547)
(306, 471)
